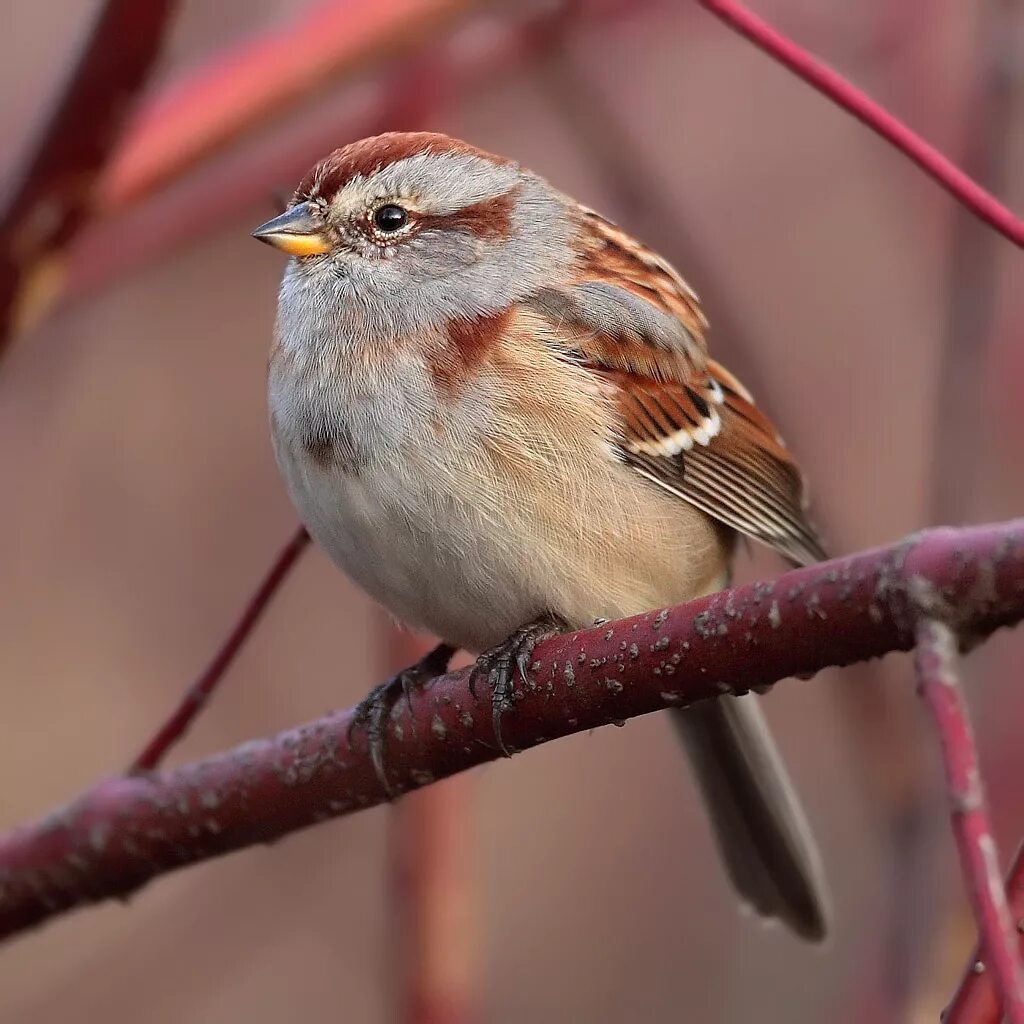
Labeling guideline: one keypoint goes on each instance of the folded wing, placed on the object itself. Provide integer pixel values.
(685, 423)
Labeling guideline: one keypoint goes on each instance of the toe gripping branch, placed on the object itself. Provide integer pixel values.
(372, 711)
(497, 668)
(500, 665)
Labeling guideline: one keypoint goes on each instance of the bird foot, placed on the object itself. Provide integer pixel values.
(372, 711)
(500, 665)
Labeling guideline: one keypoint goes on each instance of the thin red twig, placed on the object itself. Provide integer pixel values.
(875, 116)
(125, 831)
(936, 670)
(972, 292)
(53, 193)
(192, 701)
(976, 1001)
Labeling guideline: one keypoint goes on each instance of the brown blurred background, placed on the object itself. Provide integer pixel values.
(142, 504)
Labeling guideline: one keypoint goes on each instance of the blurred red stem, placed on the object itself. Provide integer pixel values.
(221, 188)
(876, 117)
(125, 831)
(976, 1001)
(191, 703)
(52, 193)
(257, 78)
(431, 888)
(937, 676)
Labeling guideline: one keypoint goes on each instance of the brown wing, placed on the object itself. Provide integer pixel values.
(686, 423)
(741, 474)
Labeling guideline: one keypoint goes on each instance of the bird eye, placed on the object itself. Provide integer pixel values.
(390, 218)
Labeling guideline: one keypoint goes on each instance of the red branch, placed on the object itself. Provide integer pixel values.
(875, 116)
(975, 1001)
(54, 191)
(125, 831)
(200, 691)
(940, 688)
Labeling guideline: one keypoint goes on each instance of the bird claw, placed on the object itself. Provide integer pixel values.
(500, 664)
(372, 711)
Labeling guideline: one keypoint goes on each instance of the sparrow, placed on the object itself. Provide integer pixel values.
(495, 410)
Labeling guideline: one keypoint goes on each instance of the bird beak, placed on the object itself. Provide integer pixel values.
(295, 232)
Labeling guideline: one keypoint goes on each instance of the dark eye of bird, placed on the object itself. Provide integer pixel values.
(390, 218)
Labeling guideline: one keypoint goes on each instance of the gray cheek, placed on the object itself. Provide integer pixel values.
(436, 255)
(418, 268)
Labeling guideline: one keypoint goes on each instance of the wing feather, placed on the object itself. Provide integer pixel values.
(684, 422)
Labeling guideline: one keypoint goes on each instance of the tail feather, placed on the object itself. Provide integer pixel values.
(759, 826)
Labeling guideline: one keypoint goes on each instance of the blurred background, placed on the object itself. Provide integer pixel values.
(874, 320)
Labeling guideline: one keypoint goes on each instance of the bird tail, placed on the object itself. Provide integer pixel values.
(758, 823)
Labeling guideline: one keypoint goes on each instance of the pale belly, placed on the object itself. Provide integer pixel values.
(409, 555)
(468, 535)
(468, 570)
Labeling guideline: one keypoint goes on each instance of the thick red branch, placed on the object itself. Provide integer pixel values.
(875, 116)
(940, 688)
(125, 831)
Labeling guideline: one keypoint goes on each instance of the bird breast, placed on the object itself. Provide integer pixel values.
(468, 510)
